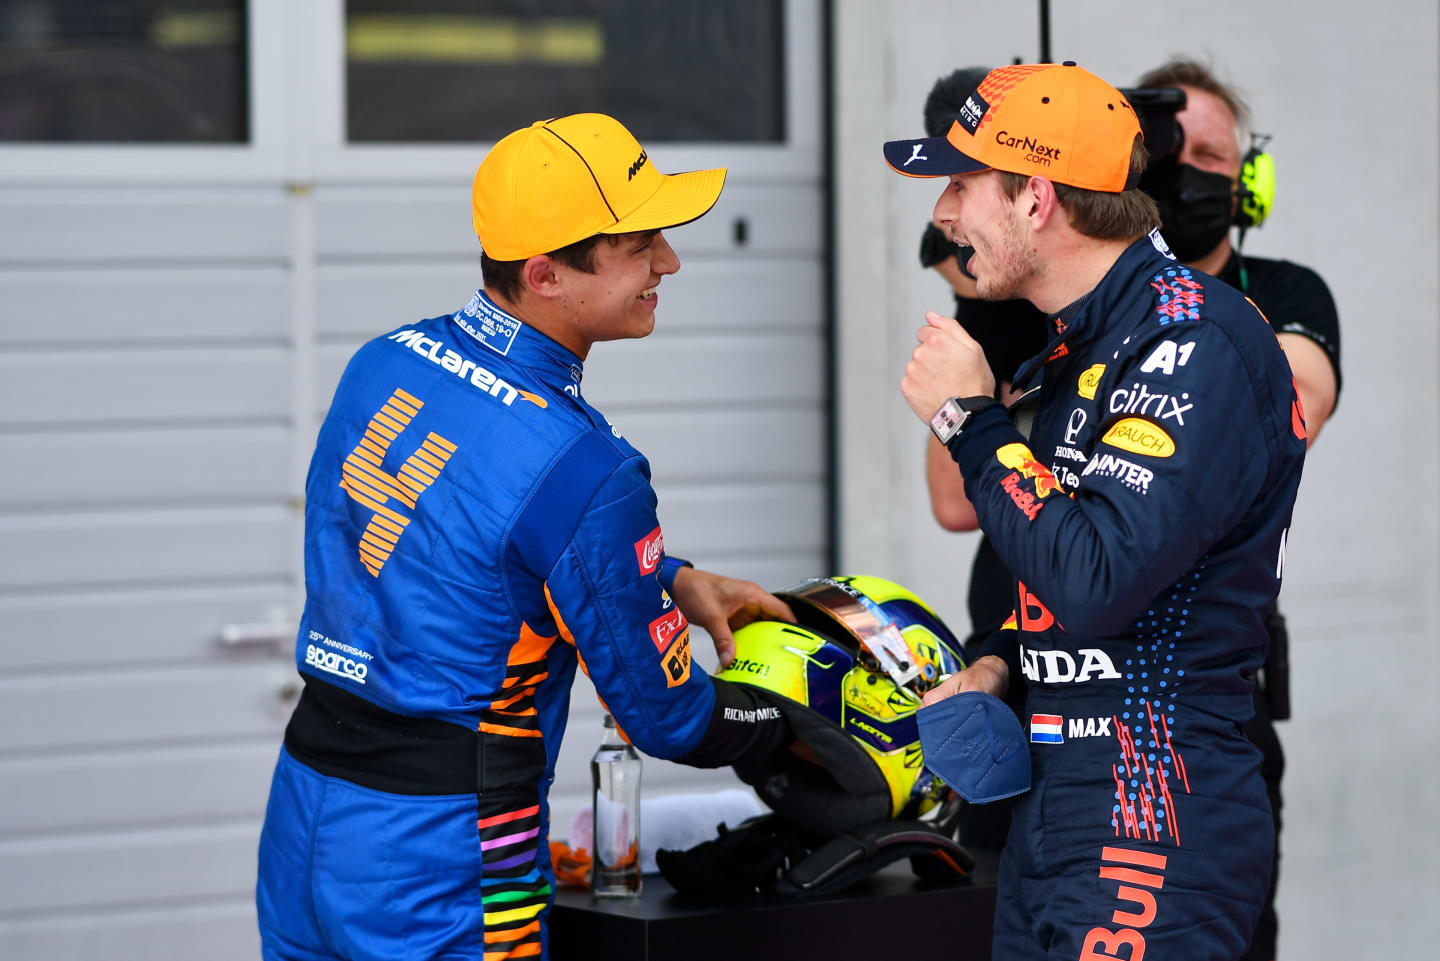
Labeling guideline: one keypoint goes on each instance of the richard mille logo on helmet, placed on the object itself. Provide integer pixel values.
(751, 716)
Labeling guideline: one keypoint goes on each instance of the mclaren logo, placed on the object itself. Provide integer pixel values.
(435, 351)
(639, 163)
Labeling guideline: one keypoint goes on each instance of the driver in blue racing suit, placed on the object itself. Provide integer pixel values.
(1144, 517)
(474, 529)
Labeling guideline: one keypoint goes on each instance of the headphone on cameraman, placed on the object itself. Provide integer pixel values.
(1255, 193)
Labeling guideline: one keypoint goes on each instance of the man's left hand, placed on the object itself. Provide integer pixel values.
(722, 605)
(947, 363)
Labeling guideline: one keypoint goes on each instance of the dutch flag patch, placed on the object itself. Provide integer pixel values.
(1045, 728)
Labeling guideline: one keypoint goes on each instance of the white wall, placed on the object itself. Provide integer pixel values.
(1350, 93)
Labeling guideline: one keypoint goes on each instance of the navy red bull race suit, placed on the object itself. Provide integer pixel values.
(473, 529)
(1145, 520)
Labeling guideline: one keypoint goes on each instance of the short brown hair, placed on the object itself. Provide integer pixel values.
(1179, 72)
(1094, 213)
(503, 276)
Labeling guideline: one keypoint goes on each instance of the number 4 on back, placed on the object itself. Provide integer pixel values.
(366, 481)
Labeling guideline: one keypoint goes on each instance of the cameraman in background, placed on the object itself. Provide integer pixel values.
(1202, 191)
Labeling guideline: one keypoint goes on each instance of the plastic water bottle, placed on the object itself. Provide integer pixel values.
(615, 776)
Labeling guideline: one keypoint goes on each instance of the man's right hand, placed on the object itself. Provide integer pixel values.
(988, 674)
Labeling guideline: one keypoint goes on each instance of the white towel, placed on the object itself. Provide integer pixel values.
(676, 821)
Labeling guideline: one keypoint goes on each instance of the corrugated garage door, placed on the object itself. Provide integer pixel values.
(172, 322)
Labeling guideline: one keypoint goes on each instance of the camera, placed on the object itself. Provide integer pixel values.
(1156, 107)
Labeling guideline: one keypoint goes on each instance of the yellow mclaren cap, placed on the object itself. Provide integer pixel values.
(557, 182)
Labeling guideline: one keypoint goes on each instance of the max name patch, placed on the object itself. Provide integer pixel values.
(1140, 437)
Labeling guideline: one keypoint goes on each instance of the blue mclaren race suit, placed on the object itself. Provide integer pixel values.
(1145, 519)
(473, 529)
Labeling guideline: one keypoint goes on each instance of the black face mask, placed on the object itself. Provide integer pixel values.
(1196, 207)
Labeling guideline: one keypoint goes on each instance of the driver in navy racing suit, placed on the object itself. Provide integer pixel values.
(1144, 518)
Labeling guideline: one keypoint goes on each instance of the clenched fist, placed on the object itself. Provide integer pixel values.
(947, 363)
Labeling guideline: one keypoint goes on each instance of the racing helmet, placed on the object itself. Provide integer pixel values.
(849, 677)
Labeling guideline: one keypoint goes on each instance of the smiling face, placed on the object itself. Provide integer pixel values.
(974, 212)
(618, 299)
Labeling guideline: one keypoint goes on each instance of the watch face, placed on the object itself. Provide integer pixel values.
(947, 421)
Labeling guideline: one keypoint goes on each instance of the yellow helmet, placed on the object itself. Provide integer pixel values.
(849, 677)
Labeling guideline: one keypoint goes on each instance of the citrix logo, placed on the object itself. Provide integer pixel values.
(1137, 399)
(332, 663)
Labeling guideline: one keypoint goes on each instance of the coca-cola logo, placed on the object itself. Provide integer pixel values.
(666, 628)
(648, 551)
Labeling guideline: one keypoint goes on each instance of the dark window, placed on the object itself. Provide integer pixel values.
(474, 70)
(123, 71)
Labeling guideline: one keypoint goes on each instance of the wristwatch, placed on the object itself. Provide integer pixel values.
(955, 414)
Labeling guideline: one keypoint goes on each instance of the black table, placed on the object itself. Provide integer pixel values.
(886, 912)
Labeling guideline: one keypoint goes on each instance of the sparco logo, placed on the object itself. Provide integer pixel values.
(332, 663)
(1035, 151)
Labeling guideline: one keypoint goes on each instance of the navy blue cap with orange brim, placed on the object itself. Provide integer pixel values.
(929, 157)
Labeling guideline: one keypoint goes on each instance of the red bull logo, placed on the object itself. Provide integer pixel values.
(1024, 466)
(1138, 874)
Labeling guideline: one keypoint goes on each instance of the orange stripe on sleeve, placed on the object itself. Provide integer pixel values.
(511, 934)
(488, 728)
(559, 621)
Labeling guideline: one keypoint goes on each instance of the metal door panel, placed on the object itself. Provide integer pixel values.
(71, 550)
(360, 301)
(174, 466)
(94, 630)
(723, 520)
(110, 709)
(740, 446)
(358, 222)
(779, 294)
(56, 873)
(180, 932)
(49, 305)
(128, 386)
(109, 225)
(355, 302)
(742, 371)
(115, 789)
